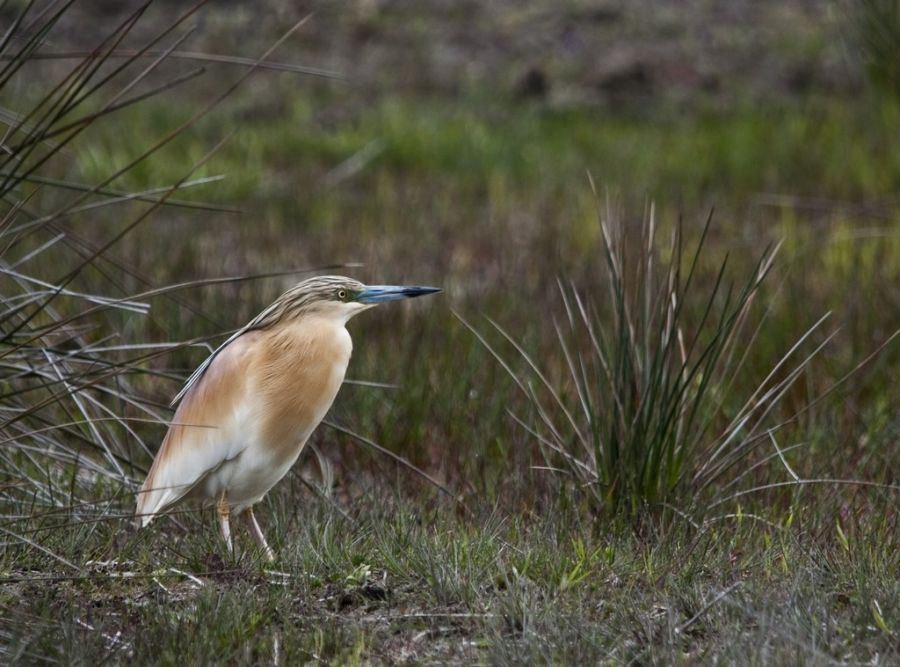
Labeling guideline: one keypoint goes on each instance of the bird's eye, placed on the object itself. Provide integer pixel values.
(342, 294)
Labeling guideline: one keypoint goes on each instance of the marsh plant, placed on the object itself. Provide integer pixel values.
(644, 410)
(71, 413)
(877, 24)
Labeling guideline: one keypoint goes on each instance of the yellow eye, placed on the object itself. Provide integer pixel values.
(342, 295)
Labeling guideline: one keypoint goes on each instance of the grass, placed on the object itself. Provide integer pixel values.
(878, 34)
(488, 197)
(644, 415)
(404, 583)
(815, 145)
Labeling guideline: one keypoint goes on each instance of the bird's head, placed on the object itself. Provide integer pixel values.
(339, 298)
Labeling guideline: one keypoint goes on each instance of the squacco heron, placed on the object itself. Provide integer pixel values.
(245, 414)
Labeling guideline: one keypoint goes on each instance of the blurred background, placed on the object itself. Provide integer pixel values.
(455, 144)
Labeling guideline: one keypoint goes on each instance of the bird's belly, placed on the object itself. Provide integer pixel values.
(274, 439)
(247, 478)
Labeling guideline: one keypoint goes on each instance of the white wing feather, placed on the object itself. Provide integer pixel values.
(206, 430)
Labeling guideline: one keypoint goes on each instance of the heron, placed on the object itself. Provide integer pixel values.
(246, 412)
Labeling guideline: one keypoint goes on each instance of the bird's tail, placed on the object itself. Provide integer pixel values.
(148, 503)
(153, 498)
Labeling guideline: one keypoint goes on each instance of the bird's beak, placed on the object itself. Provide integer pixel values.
(380, 293)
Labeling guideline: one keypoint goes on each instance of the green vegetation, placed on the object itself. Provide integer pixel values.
(878, 28)
(403, 584)
(806, 147)
(643, 467)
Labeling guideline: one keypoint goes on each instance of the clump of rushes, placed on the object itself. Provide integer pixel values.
(642, 406)
(878, 36)
(69, 414)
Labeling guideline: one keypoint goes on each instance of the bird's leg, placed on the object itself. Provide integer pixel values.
(224, 513)
(258, 536)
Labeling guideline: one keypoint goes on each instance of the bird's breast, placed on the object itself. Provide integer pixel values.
(300, 372)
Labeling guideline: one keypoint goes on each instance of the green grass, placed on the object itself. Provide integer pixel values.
(406, 584)
(809, 147)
